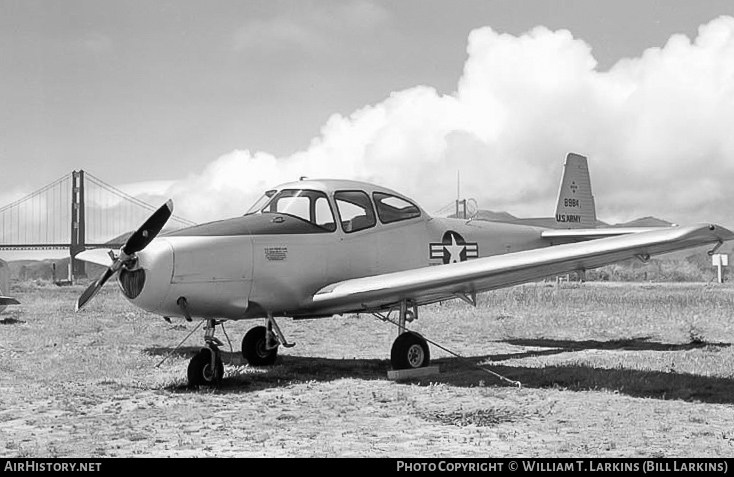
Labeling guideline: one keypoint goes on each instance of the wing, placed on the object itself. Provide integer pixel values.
(7, 300)
(436, 283)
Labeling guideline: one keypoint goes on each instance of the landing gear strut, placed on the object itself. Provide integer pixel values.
(410, 349)
(206, 367)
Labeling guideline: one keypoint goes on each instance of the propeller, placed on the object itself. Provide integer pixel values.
(134, 244)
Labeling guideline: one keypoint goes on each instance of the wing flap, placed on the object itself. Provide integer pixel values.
(435, 283)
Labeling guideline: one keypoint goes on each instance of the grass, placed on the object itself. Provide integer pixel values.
(606, 370)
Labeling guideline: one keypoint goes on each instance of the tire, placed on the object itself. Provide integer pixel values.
(199, 371)
(254, 349)
(410, 351)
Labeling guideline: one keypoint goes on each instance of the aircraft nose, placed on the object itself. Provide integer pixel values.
(148, 283)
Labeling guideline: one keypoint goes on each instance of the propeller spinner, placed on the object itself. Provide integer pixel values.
(134, 244)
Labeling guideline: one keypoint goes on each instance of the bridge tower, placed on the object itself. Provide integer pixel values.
(77, 224)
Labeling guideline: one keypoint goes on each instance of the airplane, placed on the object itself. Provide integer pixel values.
(317, 248)
(5, 300)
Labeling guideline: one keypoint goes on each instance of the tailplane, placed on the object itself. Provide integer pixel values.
(575, 208)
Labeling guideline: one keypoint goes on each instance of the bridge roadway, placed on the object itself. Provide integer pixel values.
(56, 246)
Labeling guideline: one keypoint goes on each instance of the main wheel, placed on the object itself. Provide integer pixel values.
(410, 351)
(254, 348)
(200, 371)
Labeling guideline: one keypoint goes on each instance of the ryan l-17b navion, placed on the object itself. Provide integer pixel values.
(316, 248)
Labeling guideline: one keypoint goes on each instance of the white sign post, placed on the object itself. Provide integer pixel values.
(720, 260)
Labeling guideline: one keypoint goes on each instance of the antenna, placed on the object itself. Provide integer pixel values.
(459, 202)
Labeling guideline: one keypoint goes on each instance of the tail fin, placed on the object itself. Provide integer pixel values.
(575, 208)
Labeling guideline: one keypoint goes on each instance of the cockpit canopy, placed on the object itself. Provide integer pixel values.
(353, 204)
(314, 207)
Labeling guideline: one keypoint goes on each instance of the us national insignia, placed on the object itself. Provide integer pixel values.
(453, 248)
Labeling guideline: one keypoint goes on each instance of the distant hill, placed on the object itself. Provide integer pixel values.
(645, 222)
(36, 269)
(48, 269)
(494, 216)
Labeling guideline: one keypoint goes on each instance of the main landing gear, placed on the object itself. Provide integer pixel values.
(410, 349)
(260, 344)
(260, 347)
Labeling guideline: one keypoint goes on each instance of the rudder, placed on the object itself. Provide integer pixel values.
(575, 208)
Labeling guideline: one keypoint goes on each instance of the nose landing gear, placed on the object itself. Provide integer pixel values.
(206, 367)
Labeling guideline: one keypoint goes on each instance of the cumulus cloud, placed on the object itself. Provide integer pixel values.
(657, 130)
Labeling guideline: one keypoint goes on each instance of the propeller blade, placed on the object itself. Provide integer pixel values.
(135, 243)
(148, 231)
(94, 288)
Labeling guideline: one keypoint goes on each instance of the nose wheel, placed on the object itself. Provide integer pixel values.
(206, 367)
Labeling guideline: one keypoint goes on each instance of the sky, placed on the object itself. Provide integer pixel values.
(211, 103)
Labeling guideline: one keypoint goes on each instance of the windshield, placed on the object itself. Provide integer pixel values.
(308, 205)
(260, 203)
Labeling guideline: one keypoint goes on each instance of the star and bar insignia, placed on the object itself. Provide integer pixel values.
(453, 248)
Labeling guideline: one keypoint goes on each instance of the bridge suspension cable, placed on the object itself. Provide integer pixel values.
(75, 212)
(110, 212)
(40, 219)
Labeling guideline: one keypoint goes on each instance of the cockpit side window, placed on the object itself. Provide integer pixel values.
(394, 209)
(322, 214)
(308, 205)
(355, 210)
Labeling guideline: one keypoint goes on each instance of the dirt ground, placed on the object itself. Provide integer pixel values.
(88, 385)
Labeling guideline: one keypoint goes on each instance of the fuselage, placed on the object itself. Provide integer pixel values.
(300, 238)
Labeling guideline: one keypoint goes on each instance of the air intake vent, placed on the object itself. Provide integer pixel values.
(132, 282)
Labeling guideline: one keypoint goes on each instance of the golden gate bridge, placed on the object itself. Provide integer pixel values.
(76, 212)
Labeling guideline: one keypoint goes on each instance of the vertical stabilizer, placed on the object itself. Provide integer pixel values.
(575, 208)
